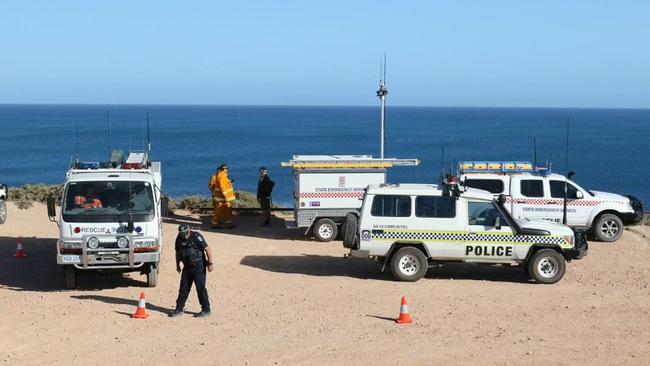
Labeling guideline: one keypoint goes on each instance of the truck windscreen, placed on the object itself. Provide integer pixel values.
(108, 201)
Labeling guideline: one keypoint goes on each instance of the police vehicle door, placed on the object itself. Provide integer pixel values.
(489, 236)
(528, 199)
(577, 210)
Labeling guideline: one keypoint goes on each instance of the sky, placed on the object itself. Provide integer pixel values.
(440, 53)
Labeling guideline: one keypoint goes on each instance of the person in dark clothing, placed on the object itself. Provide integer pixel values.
(264, 190)
(194, 253)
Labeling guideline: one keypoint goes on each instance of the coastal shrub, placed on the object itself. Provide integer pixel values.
(25, 196)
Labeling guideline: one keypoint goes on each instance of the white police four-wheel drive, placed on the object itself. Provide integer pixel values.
(111, 217)
(413, 227)
(536, 194)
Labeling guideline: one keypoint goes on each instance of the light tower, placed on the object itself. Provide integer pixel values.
(381, 93)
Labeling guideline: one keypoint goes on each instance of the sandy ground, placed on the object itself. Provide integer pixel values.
(278, 298)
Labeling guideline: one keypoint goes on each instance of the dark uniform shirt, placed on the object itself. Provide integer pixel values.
(194, 243)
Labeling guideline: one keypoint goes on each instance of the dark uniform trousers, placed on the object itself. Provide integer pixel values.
(194, 275)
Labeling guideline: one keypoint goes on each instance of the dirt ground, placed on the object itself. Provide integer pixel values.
(278, 298)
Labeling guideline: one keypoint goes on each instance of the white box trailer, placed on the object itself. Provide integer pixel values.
(327, 187)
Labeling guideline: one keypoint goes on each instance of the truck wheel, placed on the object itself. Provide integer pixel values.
(325, 230)
(547, 266)
(350, 230)
(3, 211)
(152, 276)
(408, 264)
(608, 227)
(70, 277)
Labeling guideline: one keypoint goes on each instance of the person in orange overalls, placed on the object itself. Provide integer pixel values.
(223, 195)
(89, 200)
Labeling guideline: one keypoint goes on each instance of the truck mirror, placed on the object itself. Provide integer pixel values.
(570, 175)
(579, 195)
(51, 207)
(497, 223)
(502, 199)
(164, 206)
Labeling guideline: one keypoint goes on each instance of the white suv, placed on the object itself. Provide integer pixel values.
(412, 227)
(538, 195)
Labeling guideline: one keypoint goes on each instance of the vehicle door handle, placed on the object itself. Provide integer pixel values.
(552, 203)
(472, 234)
(520, 201)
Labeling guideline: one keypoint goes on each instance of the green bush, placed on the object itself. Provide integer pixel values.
(25, 196)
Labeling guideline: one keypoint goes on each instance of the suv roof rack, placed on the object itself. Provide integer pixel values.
(345, 161)
(501, 167)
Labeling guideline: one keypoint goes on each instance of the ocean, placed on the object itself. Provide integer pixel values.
(608, 148)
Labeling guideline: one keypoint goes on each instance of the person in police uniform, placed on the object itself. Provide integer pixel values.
(194, 253)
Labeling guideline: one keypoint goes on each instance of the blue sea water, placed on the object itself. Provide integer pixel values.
(608, 147)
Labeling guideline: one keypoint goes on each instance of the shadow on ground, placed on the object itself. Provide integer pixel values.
(120, 301)
(39, 271)
(317, 265)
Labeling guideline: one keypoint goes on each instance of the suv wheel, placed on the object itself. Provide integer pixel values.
(608, 227)
(325, 230)
(547, 266)
(408, 264)
(350, 230)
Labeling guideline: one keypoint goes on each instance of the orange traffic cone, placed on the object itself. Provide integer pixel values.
(404, 316)
(20, 253)
(141, 313)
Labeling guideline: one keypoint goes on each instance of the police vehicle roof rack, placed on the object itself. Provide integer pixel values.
(345, 161)
(501, 167)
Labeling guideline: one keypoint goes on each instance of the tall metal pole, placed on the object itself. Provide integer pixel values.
(381, 93)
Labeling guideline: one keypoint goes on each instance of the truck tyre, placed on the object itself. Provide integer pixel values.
(546, 266)
(70, 277)
(325, 230)
(350, 229)
(408, 264)
(608, 227)
(152, 276)
(3, 211)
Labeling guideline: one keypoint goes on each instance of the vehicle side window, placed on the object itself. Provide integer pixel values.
(435, 206)
(391, 206)
(532, 187)
(557, 190)
(490, 185)
(484, 213)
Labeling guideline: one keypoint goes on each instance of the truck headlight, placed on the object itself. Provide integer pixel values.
(122, 242)
(69, 244)
(568, 239)
(93, 243)
(146, 244)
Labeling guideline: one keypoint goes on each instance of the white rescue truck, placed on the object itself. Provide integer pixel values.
(111, 217)
(327, 187)
(536, 194)
(3, 203)
(413, 227)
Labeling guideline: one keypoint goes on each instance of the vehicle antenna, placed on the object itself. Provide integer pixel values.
(108, 128)
(534, 152)
(381, 93)
(148, 136)
(442, 163)
(76, 141)
(566, 170)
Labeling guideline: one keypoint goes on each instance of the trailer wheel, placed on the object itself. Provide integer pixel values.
(608, 227)
(70, 277)
(3, 211)
(547, 266)
(408, 264)
(325, 230)
(350, 230)
(152, 276)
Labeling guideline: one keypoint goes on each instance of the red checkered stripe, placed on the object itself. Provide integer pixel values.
(331, 194)
(545, 201)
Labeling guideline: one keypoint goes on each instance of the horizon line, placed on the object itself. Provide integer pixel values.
(314, 105)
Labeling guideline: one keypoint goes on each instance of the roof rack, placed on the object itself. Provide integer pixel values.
(501, 167)
(345, 161)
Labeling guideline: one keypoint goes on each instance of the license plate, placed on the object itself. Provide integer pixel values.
(71, 259)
